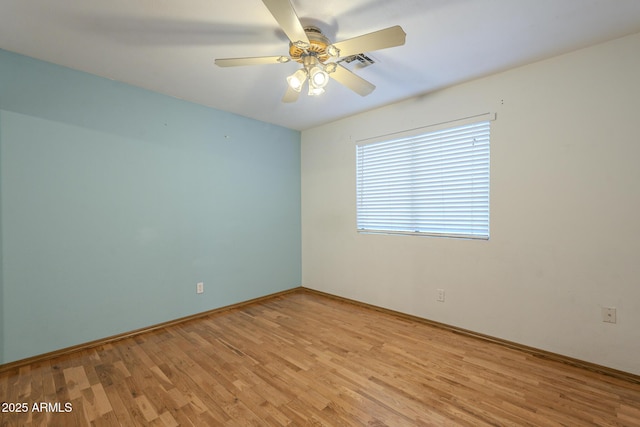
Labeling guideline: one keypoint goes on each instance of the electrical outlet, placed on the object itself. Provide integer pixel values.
(609, 314)
(440, 295)
(200, 288)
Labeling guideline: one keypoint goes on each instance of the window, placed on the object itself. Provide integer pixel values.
(434, 183)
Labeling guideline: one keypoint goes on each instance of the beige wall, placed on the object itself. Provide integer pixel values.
(565, 210)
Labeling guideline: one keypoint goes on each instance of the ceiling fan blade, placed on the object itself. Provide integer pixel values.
(382, 39)
(285, 15)
(290, 95)
(352, 81)
(258, 60)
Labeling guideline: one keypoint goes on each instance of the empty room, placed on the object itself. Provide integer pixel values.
(287, 212)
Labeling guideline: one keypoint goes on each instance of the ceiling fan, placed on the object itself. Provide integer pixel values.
(317, 54)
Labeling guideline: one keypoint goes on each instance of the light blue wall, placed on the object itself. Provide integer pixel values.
(2, 322)
(115, 201)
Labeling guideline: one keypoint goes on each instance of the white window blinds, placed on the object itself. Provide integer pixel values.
(436, 183)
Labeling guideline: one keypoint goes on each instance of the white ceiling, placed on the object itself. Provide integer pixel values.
(168, 46)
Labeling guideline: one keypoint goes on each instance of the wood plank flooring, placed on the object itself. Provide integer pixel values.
(304, 359)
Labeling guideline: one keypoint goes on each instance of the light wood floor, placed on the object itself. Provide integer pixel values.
(304, 359)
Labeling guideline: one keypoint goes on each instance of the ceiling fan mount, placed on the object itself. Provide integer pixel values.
(315, 51)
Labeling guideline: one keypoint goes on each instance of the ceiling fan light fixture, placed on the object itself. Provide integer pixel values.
(315, 91)
(297, 79)
(318, 78)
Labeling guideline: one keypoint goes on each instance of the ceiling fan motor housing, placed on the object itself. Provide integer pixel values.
(318, 44)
